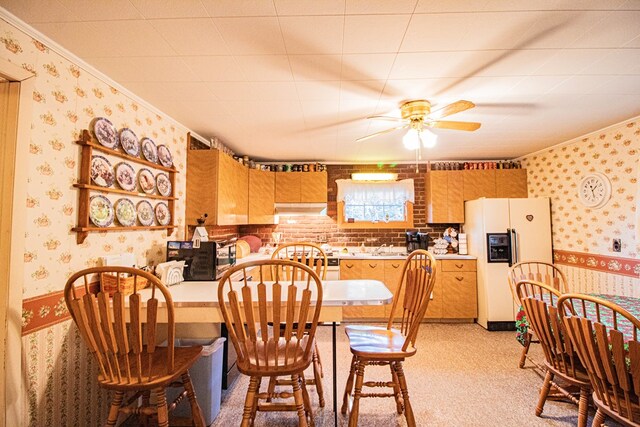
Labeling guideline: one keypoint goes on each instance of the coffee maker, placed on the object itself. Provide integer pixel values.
(416, 240)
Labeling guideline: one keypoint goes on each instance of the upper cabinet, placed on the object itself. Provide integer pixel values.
(446, 191)
(479, 183)
(262, 186)
(218, 186)
(301, 187)
(444, 196)
(511, 183)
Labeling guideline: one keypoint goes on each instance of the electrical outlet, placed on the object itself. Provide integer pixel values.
(617, 245)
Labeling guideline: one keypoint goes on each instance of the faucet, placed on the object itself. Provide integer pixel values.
(377, 250)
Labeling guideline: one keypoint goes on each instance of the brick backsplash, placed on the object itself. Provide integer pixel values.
(297, 228)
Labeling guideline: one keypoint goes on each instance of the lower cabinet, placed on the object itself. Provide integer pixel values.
(454, 294)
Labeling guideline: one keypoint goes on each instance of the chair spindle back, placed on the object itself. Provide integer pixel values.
(418, 278)
(305, 253)
(124, 355)
(538, 271)
(606, 339)
(270, 310)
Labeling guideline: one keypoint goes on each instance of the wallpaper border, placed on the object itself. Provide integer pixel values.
(603, 263)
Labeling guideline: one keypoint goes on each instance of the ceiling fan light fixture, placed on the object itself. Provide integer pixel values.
(411, 140)
(429, 139)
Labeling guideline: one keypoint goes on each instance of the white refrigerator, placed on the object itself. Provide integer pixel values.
(501, 232)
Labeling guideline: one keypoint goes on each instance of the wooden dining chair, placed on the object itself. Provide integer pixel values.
(129, 360)
(542, 272)
(267, 319)
(312, 255)
(382, 346)
(605, 336)
(561, 360)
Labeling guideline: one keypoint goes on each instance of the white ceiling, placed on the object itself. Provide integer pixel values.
(295, 79)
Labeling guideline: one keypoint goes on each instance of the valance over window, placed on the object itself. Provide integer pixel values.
(359, 192)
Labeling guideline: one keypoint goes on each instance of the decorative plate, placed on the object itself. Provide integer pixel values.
(105, 132)
(102, 171)
(163, 216)
(126, 176)
(164, 184)
(145, 213)
(146, 180)
(129, 142)
(126, 212)
(149, 150)
(164, 155)
(100, 211)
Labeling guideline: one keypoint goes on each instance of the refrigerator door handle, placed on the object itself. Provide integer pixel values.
(509, 247)
(514, 240)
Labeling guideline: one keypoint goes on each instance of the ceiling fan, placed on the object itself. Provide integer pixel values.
(418, 117)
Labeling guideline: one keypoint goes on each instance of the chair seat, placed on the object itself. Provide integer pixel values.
(184, 358)
(581, 377)
(375, 342)
(610, 411)
(289, 356)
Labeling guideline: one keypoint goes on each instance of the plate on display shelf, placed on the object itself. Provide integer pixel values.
(149, 150)
(129, 142)
(102, 171)
(164, 184)
(164, 155)
(126, 176)
(146, 180)
(145, 213)
(125, 212)
(100, 211)
(163, 216)
(105, 132)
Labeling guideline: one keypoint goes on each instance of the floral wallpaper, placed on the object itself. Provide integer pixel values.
(60, 384)
(578, 230)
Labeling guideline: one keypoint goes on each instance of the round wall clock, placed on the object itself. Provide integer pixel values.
(594, 190)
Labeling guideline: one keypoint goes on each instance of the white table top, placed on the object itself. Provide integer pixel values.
(336, 293)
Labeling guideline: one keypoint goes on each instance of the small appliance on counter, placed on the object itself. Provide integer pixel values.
(206, 261)
(416, 240)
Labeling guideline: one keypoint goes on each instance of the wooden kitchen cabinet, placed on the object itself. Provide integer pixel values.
(459, 289)
(301, 187)
(363, 269)
(479, 183)
(511, 183)
(392, 274)
(261, 197)
(444, 196)
(216, 185)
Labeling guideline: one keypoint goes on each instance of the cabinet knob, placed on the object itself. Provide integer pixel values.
(459, 279)
(459, 265)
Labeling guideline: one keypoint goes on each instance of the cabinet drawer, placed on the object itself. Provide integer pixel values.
(458, 265)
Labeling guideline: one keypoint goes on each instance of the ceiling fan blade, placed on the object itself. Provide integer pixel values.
(388, 118)
(450, 109)
(382, 132)
(444, 124)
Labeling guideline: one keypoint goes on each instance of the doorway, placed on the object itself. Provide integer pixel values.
(16, 86)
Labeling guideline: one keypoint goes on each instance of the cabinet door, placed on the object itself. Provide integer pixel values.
(313, 187)
(202, 166)
(288, 187)
(479, 183)
(262, 186)
(434, 309)
(232, 189)
(511, 183)
(436, 186)
(392, 274)
(460, 295)
(373, 269)
(455, 197)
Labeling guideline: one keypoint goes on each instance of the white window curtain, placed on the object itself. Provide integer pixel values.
(362, 192)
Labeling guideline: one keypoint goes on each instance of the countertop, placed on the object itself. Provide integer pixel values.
(356, 255)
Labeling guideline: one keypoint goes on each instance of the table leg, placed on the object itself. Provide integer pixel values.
(335, 372)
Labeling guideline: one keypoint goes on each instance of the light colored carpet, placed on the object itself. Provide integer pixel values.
(462, 375)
